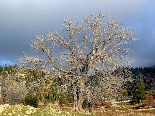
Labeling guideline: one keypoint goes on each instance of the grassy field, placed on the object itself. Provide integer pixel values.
(55, 110)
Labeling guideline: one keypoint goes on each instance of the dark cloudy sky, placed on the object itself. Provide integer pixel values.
(21, 20)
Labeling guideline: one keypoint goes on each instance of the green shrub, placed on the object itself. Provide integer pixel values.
(1, 69)
(125, 93)
(52, 97)
(84, 104)
(31, 100)
(62, 99)
(47, 81)
(70, 98)
(65, 98)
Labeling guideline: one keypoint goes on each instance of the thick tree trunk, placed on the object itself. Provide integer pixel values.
(78, 100)
(78, 97)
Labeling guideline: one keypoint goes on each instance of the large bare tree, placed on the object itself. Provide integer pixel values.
(92, 47)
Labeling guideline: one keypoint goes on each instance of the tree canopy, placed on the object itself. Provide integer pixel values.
(82, 50)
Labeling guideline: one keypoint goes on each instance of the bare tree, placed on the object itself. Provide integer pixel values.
(107, 87)
(13, 92)
(81, 50)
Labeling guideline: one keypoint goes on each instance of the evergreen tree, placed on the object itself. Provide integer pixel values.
(138, 92)
(1, 69)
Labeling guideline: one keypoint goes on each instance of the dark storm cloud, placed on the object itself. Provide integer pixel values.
(21, 20)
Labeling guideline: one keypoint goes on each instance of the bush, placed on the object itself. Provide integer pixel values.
(104, 104)
(107, 104)
(52, 96)
(84, 104)
(65, 98)
(13, 92)
(70, 98)
(31, 100)
(125, 93)
(62, 99)
(149, 100)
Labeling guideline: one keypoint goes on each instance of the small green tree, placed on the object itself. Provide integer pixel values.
(125, 93)
(138, 92)
(1, 69)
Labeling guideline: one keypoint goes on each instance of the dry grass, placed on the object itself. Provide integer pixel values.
(55, 110)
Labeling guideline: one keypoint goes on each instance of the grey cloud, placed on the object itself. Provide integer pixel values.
(21, 21)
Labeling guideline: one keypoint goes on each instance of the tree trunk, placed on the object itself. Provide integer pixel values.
(77, 101)
(90, 107)
(75, 106)
(80, 101)
(78, 97)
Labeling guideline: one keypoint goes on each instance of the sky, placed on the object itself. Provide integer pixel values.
(22, 20)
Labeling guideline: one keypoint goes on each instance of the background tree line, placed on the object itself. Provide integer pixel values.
(32, 87)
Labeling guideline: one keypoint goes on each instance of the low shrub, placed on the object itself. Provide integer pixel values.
(13, 92)
(107, 104)
(84, 104)
(63, 99)
(150, 102)
(52, 97)
(31, 100)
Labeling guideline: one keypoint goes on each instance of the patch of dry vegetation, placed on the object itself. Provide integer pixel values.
(56, 110)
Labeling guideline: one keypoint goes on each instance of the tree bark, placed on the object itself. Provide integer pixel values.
(75, 99)
(90, 107)
(78, 97)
